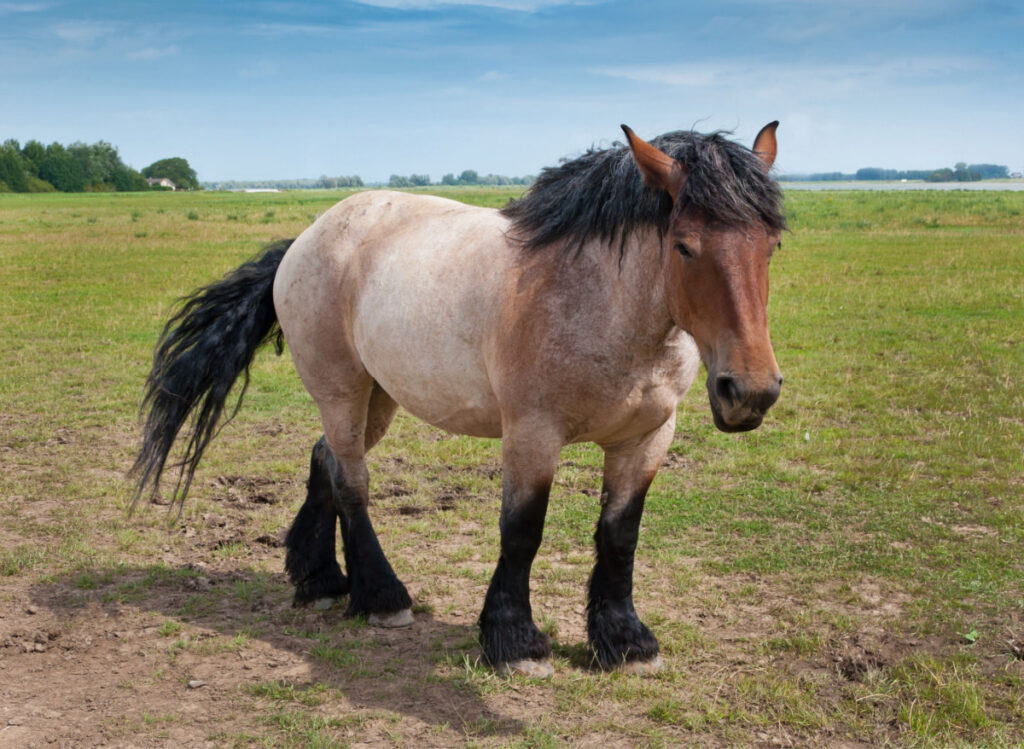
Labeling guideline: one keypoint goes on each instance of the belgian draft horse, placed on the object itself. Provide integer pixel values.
(580, 312)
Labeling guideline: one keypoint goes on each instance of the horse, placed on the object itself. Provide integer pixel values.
(578, 313)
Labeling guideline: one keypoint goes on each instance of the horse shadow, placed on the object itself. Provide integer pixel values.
(428, 671)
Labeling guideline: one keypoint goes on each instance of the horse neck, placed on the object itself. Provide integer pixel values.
(630, 286)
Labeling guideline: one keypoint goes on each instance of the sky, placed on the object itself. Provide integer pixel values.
(274, 90)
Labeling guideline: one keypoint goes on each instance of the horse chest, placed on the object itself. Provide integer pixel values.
(639, 400)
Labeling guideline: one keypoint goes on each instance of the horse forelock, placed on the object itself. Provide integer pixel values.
(601, 194)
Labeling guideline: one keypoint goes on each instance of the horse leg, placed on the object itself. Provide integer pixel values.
(311, 561)
(616, 635)
(374, 589)
(509, 639)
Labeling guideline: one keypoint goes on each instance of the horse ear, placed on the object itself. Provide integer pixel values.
(765, 146)
(659, 169)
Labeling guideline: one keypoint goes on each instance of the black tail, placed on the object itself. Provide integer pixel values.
(203, 349)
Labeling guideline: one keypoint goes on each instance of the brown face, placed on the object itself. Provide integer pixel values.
(716, 282)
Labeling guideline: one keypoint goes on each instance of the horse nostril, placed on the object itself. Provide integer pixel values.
(726, 390)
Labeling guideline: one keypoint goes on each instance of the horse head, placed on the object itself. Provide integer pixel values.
(716, 284)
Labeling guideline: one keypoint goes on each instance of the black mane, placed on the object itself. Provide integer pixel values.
(602, 195)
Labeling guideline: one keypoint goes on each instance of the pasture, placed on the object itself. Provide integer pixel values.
(852, 573)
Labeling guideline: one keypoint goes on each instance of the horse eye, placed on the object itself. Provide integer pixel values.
(683, 250)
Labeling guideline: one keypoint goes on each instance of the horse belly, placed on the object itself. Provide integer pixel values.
(420, 334)
(440, 382)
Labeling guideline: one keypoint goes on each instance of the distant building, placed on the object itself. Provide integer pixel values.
(161, 182)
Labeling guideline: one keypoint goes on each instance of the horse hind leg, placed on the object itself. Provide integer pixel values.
(311, 561)
(374, 589)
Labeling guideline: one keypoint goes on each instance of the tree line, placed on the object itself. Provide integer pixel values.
(323, 182)
(961, 172)
(81, 167)
(467, 177)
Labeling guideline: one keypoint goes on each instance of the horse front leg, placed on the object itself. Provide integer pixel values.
(510, 640)
(616, 635)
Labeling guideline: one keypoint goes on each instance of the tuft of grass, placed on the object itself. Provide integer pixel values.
(301, 730)
(285, 691)
(939, 699)
(20, 559)
(170, 628)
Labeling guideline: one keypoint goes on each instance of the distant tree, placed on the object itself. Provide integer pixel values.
(940, 175)
(77, 167)
(62, 170)
(420, 180)
(32, 154)
(329, 182)
(127, 179)
(962, 174)
(990, 171)
(469, 177)
(449, 179)
(175, 169)
(12, 170)
(397, 180)
(99, 163)
(876, 173)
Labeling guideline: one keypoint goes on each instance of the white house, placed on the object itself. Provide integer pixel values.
(161, 182)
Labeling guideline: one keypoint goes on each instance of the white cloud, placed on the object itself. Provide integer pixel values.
(152, 53)
(24, 7)
(525, 6)
(288, 29)
(390, 27)
(84, 33)
(766, 78)
(494, 76)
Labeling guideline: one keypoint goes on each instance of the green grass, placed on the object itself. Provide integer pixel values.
(812, 581)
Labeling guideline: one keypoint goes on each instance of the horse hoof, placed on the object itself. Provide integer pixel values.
(642, 668)
(395, 619)
(527, 667)
(322, 604)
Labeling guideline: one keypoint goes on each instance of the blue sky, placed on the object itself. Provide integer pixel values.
(252, 90)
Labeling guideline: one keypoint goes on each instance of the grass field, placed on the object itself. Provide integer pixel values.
(849, 574)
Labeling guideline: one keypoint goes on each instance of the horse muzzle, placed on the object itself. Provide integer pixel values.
(739, 402)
